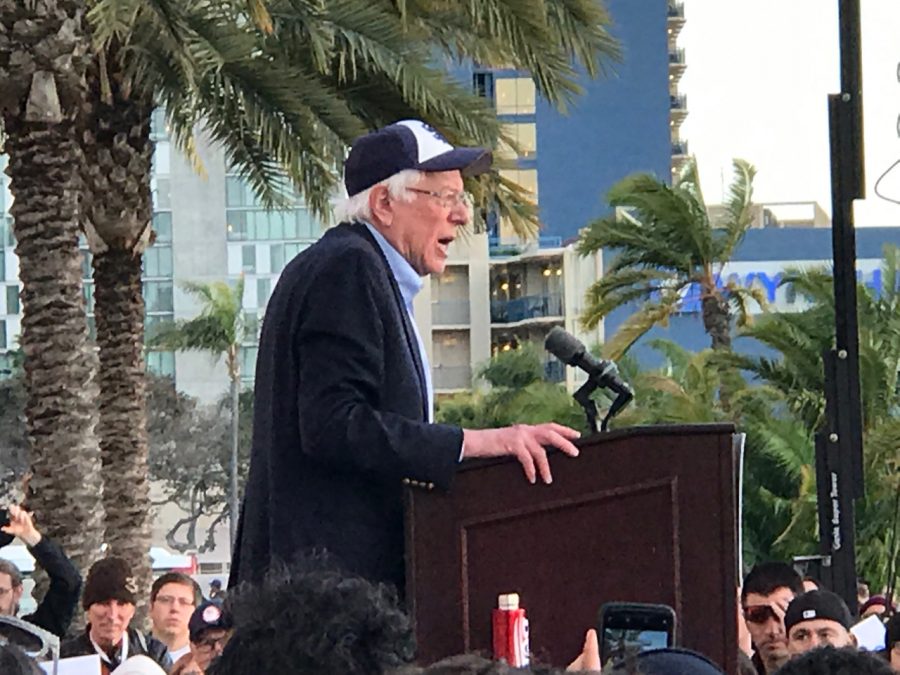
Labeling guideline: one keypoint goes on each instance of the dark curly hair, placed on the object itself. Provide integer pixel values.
(831, 661)
(314, 618)
(13, 661)
(473, 664)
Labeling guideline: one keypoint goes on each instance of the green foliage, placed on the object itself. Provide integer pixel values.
(518, 395)
(666, 245)
(285, 85)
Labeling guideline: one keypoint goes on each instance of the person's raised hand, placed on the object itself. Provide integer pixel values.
(525, 442)
(589, 659)
(22, 526)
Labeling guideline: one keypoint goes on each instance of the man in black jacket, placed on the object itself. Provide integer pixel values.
(109, 600)
(55, 611)
(343, 413)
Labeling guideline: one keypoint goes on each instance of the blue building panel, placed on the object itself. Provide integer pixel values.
(619, 126)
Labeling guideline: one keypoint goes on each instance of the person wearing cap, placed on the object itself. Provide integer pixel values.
(109, 601)
(876, 604)
(343, 412)
(210, 628)
(818, 619)
(215, 590)
(57, 607)
(767, 591)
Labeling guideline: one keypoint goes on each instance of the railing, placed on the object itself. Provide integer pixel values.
(676, 9)
(450, 313)
(527, 307)
(676, 56)
(678, 102)
(549, 241)
(451, 377)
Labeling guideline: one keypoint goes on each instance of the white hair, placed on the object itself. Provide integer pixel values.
(356, 208)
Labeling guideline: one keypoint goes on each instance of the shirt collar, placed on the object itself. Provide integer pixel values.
(408, 279)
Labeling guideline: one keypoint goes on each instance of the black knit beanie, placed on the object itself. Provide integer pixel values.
(109, 579)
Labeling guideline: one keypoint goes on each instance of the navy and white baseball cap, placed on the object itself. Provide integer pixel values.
(409, 144)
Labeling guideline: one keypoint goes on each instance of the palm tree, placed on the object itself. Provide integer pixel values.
(667, 247)
(219, 330)
(283, 87)
(797, 374)
(43, 49)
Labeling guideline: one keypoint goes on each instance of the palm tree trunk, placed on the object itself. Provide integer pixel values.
(118, 152)
(42, 89)
(119, 309)
(717, 320)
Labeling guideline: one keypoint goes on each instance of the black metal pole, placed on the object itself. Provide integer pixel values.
(839, 467)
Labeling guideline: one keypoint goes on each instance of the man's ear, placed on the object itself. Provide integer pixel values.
(381, 205)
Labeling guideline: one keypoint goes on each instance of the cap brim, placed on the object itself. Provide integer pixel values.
(469, 161)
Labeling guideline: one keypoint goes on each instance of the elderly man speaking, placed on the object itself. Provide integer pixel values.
(343, 413)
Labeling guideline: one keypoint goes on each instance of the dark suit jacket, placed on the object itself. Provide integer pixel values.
(339, 417)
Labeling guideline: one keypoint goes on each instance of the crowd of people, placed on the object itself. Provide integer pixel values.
(315, 618)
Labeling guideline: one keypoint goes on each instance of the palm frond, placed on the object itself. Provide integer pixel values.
(649, 315)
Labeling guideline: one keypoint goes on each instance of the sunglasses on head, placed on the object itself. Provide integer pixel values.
(759, 613)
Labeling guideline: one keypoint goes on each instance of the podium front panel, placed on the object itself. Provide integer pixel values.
(642, 515)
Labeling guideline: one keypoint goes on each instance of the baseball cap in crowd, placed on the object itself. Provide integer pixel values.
(874, 601)
(817, 605)
(674, 661)
(409, 144)
(207, 615)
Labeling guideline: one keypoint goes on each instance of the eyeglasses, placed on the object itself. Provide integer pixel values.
(171, 600)
(759, 613)
(210, 643)
(447, 198)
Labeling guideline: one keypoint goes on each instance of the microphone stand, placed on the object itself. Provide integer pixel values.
(583, 396)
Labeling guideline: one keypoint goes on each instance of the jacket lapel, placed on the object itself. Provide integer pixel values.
(412, 344)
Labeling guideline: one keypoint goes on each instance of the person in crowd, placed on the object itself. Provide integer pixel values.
(862, 592)
(877, 605)
(892, 642)
(56, 609)
(215, 590)
(811, 584)
(173, 598)
(468, 664)
(767, 591)
(311, 619)
(14, 661)
(344, 400)
(831, 661)
(818, 619)
(211, 629)
(109, 602)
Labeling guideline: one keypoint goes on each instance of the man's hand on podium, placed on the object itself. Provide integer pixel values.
(589, 659)
(525, 441)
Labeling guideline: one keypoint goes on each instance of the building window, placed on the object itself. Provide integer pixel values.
(263, 289)
(483, 84)
(162, 158)
(251, 327)
(158, 296)
(162, 225)
(162, 194)
(12, 299)
(158, 261)
(247, 360)
(514, 96)
(2, 334)
(161, 363)
(524, 136)
(262, 225)
(526, 178)
(276, 258)
(2, 263)
(88, 292)
(248, 258)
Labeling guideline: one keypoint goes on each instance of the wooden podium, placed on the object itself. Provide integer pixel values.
(646, 514)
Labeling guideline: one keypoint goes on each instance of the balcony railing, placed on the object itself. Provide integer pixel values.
(676, 9)
(451, 377)
(527, 307)
(678, 102)
(450, 313)
(676, 56)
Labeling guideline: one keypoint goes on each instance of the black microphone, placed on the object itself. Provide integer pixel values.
(570, 350)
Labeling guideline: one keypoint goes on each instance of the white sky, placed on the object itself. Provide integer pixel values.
(757, 79)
